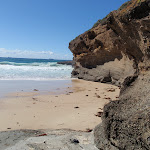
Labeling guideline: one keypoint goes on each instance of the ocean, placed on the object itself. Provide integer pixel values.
(33, 69)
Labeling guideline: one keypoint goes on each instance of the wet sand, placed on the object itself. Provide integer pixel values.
(12, 86)
(78, 106)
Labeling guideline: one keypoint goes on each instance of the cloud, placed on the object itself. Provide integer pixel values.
(25, 53)
(35, 54)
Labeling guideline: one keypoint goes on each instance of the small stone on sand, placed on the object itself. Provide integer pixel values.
(99, 114)
(108, 98)
(111, 90)
(75, 141)
(88, 130)
(76, 107)
(35, 90)
(97, 95)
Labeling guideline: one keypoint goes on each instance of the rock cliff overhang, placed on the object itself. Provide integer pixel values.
(119, 42)
(117, 50)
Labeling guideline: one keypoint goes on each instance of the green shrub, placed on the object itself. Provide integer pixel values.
(124, 5)
(102, 21)
(97, 23)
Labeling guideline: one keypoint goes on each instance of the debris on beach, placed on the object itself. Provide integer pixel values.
(43, 134)
(75, 141)
(97, 95)
(99, 114)
(34, 98)
(76, 107)
(107, 98)
(111, 90)
(35, 90)
(89, 130)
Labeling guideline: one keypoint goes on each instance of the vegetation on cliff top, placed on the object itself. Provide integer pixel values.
(100, 21)
(123, 9)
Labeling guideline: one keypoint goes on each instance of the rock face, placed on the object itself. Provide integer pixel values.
(112, 50)
(126, 122)
(46, 140)
(117, 50)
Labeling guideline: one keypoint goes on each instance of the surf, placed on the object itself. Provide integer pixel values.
(33, 69)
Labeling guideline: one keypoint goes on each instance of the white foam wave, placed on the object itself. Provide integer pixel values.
(35, 71)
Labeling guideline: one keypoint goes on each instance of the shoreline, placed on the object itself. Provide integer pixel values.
(9, 87)
(76, 109)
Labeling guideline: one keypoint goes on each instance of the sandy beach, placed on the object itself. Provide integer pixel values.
(76, 108)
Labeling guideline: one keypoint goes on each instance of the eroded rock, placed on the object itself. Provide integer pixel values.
(117, 50)
(111, 51)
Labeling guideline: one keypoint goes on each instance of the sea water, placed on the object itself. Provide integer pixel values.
(33, 69)
(25, 75)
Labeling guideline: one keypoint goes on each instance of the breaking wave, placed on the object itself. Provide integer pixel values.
(31, 70)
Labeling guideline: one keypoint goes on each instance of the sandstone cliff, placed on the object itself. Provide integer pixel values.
(112, 50)
(117, 50)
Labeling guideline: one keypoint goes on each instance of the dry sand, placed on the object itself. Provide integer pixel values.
(75, 109)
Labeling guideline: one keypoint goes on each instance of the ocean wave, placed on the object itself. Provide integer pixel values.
(44, 64)
(34, 71)
(36, 79)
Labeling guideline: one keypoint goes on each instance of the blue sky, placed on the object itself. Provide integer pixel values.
(44, 28)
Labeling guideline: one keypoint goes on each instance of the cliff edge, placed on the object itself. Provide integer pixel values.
(117, 50)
